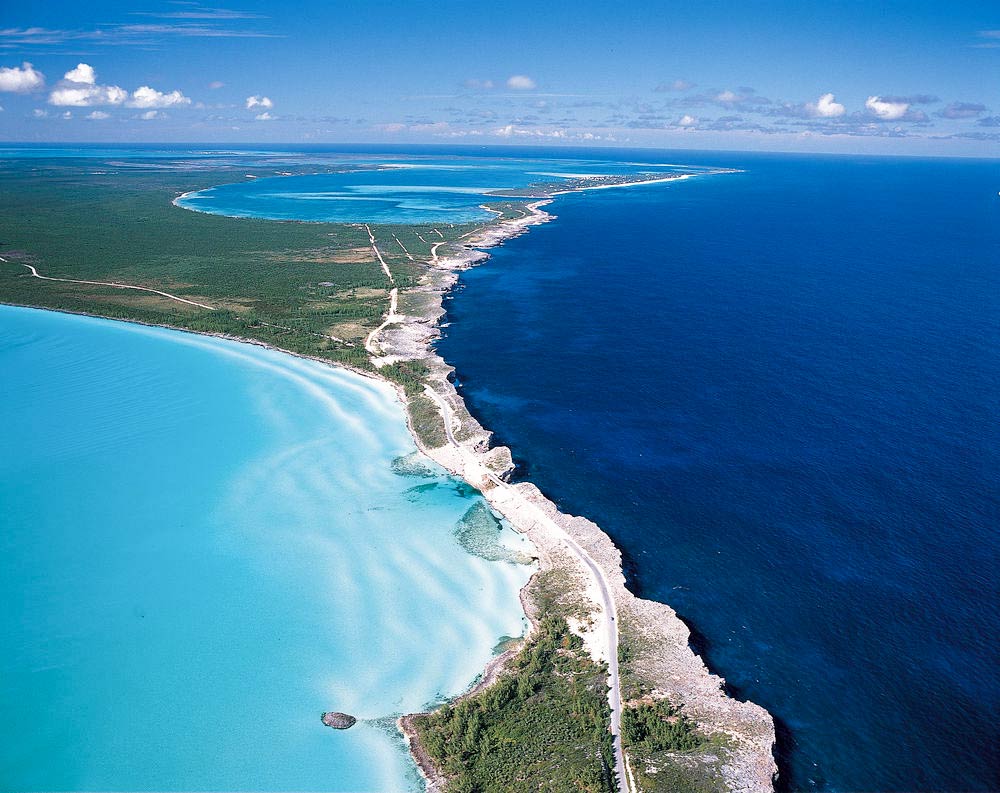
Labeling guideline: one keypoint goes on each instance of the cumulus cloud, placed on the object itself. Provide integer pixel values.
(150, 115)
(265, 116)
(520, 82)
(83, 73)
(20, 80)
(962, 110)
(826, 107)
(885, 109)
(79, 88)
(150, 97)
(259, 101)
(98, 115)
(676, 85)
(687, 121)
(87, 95)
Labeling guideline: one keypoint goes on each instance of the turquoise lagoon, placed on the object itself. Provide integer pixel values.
(414, 190)
(205, 545)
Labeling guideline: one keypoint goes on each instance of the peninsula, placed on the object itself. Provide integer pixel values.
(604, 691)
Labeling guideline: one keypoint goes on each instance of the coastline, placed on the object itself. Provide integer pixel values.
(660, 637)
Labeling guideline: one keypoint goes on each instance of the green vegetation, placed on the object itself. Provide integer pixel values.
(541, 726)
(635, 683)
(667, 753)
(311, 288)
(694, 775)
(426, 421)
(409, 374)
(556, 592)
(658, 727)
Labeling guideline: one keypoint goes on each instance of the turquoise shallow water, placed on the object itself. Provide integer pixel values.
(207, 544)
(444, 190)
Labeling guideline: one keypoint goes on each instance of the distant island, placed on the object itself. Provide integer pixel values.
(604, 693)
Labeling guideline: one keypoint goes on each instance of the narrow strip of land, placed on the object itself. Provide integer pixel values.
(597, 574)
(36, 274)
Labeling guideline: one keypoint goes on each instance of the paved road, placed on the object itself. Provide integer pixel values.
(607, 601)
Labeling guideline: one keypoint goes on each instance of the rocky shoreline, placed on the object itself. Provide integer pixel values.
(658, 639)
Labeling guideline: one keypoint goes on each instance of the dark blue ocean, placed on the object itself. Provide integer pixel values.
(779, 392)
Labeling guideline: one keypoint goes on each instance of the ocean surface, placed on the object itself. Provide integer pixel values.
(205, 545)
(779, 392)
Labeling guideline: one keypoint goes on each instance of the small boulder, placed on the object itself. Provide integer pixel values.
(339, 721)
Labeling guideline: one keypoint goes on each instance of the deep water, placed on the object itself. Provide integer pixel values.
(205, 545)
(778, 392)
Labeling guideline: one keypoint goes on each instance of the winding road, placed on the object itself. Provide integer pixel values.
(36, 274)
(600, 581)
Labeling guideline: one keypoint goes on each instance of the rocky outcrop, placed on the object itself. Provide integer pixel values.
(337, 720)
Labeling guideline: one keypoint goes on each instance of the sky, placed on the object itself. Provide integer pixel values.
(919, 78)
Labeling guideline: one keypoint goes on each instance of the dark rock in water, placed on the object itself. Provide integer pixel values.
(339, 721)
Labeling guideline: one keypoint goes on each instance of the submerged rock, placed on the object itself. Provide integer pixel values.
(339, 721)
(479, 533)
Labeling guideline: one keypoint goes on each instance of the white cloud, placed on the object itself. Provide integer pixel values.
(520, 82)
(825, 107)
(39, 113)
(215, 85)
(21, 80)
(885, 110)
(687, 121)
(510, 131)
(259, 101)
(79, 89)
(265, 116)
(83, 73)
(67, 115)
(150, 97)
(149, 115)
(86, 95)
(98, 115)
(728, 96)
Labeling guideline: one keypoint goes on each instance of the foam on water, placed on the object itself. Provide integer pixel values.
(206, 545)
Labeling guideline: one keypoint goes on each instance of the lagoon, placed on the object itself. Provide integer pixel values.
(206, 545)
